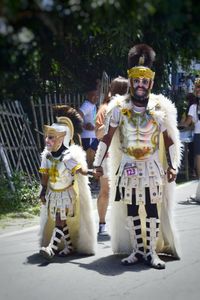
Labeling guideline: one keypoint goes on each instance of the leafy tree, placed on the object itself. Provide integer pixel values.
(69, 43)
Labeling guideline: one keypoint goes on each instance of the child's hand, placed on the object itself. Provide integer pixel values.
(43, 199)
(43, 193)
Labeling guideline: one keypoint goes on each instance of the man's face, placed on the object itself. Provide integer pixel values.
(53, 143)
(140, 88)
(93, 96)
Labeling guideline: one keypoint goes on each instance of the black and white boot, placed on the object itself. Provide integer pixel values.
(151, 257)
(134, 227)
(49, 251)
(68, 248)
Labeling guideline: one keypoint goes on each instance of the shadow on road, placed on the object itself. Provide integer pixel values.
(111, 266)
(189, 201)
(37, 259)
(108, 265)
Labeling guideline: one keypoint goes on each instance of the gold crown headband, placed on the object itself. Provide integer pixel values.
(141, 72)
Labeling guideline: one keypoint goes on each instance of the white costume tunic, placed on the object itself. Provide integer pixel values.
(137, 149)
(61, 171)
(69, 193)
(140, 167)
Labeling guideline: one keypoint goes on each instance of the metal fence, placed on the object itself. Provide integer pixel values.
(18, 150)
(43, 113)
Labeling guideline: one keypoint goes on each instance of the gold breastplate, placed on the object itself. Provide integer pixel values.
(59, 175)
(139, 135)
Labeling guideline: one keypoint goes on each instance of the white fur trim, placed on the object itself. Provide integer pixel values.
(75, 152)
(78, 154)
(87, 241)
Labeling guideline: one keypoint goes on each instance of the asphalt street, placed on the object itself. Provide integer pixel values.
(25, 275)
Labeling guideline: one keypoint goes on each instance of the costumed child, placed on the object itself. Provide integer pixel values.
(67, 222)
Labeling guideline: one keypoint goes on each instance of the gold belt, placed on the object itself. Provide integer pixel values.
(61, 190)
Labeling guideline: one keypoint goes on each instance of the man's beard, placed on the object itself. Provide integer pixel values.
(141, 99)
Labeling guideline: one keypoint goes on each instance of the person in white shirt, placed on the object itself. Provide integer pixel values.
(88, 112)
(194, 117)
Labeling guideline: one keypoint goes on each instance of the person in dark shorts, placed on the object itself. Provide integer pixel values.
(88, 112)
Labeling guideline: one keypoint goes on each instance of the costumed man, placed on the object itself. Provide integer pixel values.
(139, 124)
(67, 222)
(193, 117)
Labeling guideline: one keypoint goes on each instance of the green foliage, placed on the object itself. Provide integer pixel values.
(25, 197)
(69, 43)
(179, 97)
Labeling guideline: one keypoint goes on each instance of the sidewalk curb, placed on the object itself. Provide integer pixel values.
(32, 228)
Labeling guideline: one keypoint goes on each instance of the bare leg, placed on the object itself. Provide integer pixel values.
(197, 196)
(102, 201)
(90, 157)
(198, 165)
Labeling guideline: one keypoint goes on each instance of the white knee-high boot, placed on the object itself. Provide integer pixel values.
(67, 242)
(49, 251)
(134, 227)
(151, 257)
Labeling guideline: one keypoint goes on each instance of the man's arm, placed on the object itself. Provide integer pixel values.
(102, 151)
(186, 123)
(170, 155)
(87, 126)
(99, 131)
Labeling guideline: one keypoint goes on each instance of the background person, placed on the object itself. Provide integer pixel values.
(194, 117)
(88, 112)
(119, 86)
(191, 99)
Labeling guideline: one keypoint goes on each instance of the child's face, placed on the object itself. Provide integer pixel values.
(52, 143)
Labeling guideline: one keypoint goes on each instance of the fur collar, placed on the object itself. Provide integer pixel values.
(74, 152)
(161, 108)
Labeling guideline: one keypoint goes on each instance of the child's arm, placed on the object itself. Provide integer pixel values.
(82, 172)
(44, 183)
(77, 169)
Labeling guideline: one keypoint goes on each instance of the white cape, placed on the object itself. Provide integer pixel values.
(120, 239)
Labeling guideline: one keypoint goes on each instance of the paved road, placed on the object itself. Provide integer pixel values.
(25, 275)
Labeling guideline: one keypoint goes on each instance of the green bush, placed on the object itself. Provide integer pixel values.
(23, 199)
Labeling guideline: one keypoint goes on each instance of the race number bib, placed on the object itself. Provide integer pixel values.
(130, 171)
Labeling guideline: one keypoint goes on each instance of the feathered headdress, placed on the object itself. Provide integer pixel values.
(140, 61)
